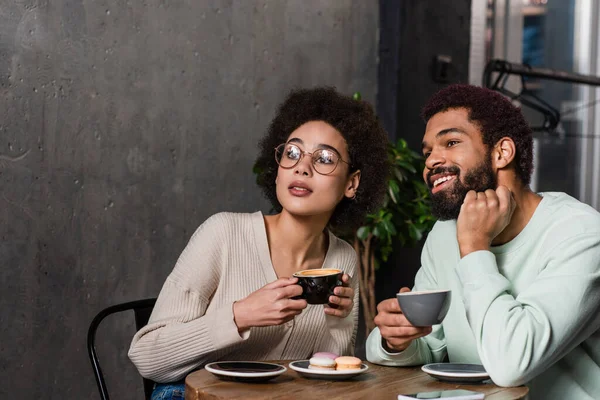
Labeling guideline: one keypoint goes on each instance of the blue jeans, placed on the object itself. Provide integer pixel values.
(168, 391)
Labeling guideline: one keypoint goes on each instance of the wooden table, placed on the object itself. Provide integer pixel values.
(377, 383)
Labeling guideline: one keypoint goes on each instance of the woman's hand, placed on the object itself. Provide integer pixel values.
(270, 305)
(343, 300)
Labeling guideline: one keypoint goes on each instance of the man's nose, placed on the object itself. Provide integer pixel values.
(435, 159)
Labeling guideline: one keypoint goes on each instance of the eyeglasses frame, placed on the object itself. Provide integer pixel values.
(303, 153)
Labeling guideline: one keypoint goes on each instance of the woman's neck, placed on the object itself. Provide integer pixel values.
(296, 243)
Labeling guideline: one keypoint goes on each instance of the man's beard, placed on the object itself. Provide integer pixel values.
(446, 204)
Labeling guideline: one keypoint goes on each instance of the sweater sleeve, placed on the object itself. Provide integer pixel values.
(519, 337)
(180, 334)
(428, 349)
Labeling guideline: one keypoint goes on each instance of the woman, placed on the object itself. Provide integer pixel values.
(323, 165)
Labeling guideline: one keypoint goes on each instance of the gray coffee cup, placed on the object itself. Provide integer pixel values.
(425, 308)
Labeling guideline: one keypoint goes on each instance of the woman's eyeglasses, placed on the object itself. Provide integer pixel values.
(324, 161)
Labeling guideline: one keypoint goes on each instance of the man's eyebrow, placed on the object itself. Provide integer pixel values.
(445, 132)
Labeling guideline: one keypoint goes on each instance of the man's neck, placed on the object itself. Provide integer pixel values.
(526, 204)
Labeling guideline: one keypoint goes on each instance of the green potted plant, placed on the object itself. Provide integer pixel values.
(403, 219)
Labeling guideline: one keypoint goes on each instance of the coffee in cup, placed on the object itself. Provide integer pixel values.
(318, 284)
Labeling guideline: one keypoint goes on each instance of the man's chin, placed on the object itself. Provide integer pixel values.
(443, 208)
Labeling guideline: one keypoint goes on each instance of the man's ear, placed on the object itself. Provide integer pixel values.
(504, 153)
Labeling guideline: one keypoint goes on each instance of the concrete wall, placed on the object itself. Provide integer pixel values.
(123, 125)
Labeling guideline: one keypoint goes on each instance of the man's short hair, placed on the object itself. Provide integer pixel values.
(495, 116)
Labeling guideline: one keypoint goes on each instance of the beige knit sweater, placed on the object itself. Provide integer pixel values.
(192, 323)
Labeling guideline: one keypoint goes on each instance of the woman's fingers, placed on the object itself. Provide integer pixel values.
(337, 312)
(346, 279)
(342, 291)
(280, 283)
(343, 302)
(289, 291)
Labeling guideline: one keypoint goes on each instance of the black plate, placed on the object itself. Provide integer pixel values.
(245, 371)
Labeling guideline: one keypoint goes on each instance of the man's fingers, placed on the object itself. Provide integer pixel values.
(399, 342)
(490, 194)
(490, 199)
(471, 196)
(506, 198)
(389, 306)
(397, 335)
(391, 319)
(404, 289)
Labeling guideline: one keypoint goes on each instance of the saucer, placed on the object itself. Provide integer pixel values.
(457, 372)
(245, 371)
(301, 367)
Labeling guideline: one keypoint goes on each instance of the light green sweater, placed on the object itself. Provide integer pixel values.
(528, 310)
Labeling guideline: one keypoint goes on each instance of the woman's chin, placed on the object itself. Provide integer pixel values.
(304, 211)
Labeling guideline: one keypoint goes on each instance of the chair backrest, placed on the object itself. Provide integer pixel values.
(142, 310)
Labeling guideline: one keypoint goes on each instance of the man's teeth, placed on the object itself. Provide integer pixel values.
(442, 179)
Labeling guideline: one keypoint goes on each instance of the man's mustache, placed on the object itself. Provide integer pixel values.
(442, 170)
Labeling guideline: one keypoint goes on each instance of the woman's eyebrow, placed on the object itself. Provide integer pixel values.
(319, 146)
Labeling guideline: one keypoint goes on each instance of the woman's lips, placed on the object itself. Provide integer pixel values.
(299, 192)
(299, 189)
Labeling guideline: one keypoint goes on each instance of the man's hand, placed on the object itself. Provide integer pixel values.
(483, 216)
(343, 301)
(395, 329)
(270, 305)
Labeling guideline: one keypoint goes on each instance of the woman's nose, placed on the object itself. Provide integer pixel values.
(304, 166)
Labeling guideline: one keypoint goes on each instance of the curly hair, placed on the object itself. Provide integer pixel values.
(495, 116)
(365, 137)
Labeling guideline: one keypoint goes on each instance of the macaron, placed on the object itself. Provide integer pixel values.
(321, 363)
(325, 354)
(347, 362)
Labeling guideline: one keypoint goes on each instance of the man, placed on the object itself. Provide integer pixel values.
(524, 268)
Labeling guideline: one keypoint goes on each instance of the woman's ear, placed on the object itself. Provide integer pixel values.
(352, 185)
(504, 153)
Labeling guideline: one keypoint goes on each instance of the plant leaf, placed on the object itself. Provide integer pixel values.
(363, 232)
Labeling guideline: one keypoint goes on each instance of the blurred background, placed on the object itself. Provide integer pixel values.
(125, 124)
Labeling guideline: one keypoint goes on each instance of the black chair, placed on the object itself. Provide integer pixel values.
(142, 310)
